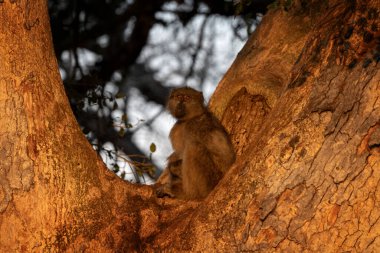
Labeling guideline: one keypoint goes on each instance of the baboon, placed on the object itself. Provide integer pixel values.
(170, 181)
(202, 149)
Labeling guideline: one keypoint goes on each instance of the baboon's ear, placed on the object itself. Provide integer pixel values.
(200, 93)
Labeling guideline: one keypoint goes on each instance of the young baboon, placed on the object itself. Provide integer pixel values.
(170, 181)
(202, 149)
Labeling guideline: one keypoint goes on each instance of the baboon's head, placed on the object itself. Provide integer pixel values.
(186, 103)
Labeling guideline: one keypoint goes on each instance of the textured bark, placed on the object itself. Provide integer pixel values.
(55, 193)
(302, 104)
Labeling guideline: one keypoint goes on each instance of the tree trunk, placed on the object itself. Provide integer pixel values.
(302, 105)
(55, 193)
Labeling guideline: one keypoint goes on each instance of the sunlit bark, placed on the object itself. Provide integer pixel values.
(54, 191)
(301, 103)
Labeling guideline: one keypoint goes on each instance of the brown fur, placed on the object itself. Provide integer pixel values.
(202, 149)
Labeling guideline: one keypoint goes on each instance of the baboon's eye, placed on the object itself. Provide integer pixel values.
(182, 97)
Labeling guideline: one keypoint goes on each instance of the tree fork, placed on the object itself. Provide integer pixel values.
(301, 102)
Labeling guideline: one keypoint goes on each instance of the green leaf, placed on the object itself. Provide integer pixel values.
(120, 95)
(116, 168)
(151, 170)
(124, 118)
(139, 172)
(121, 132)
(152, 147)
(86, 130)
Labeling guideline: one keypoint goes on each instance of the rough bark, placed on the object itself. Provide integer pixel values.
(302, 104)
(55, 193)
